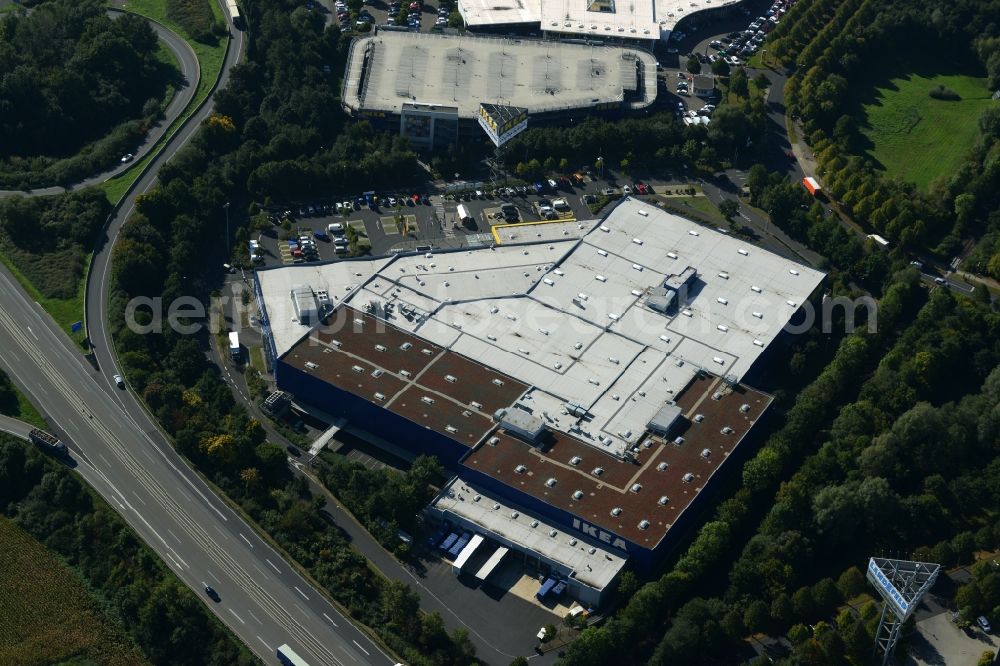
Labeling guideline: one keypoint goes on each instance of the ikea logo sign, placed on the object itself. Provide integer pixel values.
(599, 534)
(889, 590)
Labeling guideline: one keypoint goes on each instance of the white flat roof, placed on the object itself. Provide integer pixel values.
(569, 318)
(591, 564)
(462, 72)
(645, 19)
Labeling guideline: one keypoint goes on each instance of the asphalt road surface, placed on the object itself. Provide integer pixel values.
(120, 451)
(121, 454)
(190, 73)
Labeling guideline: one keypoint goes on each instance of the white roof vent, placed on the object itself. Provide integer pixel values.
(722, 300)
(793, 271)
(693, 232)
(723, 328)
(724, 275)
(758, 343)
(605, 229)
(427, 400)
(678, 440)
(514, 514)
(636, 487)
(405, 373)
(637, 267)
(617, 511)
(496, 506)
(698, 418)
(597, 471)
(637, 241)
(380, 348)
(743, 252)
(758, 315)
(552, 533)
(643, 524)
(744, 408)
(551, 482)
(548, 281)
(379, 396)
(706, 453)
(718, 359)
(672, 255)
(726, 430)
(493, 441)
(600, 278)
(755, 288)
(572, 542)
(451, 379)
(662, 467)
(575, 460)
(534, 523)
(663, 500)
(578, 494)
(792, 303)
(688, 478)
(520, 469)
(601, 252)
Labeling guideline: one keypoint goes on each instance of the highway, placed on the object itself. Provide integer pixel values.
(120, 451)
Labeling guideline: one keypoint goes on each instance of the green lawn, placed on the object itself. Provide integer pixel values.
(916, 137)
(210, 59)
(65, 311)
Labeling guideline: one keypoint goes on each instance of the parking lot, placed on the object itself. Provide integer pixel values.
(405, 225)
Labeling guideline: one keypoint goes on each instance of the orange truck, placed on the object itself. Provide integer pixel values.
(811, 185)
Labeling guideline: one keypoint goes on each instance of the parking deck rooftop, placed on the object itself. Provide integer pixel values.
(392, 68)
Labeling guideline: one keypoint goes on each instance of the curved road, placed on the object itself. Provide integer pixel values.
(191, 75)
(118, 448)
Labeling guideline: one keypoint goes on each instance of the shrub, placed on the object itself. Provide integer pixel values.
(943, 93)
(195, 16)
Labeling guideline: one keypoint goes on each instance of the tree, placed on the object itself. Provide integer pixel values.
(757, 180)
(455, 20)
(694, 65)
(738, 83)
(720, 67)
(519, 661)
(728, 208)
(851, 583)
(761, 81)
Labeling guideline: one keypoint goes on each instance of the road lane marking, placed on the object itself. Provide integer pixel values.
(361, 648)
(170, 532)
(236, 616)
(302, 593)
(331, 620)
(246, 539)
(175, 562)
(265, 644)
(262, 572)
(33, 334)
(272, 565)
(255, 617)
(139, 498)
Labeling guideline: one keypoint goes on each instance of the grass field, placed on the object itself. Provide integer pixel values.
(46, 614)
(210, 59)
(65, 311)
(918, 138)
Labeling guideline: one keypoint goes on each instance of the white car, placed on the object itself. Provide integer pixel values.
(119, 381)
(335, 228)
(627, 189)
(127, 157)
(984, 624)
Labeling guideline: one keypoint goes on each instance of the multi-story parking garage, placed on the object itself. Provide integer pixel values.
(586, 393)
(430, 87)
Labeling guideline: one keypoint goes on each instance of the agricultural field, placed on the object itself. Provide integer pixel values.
(916, 137)
(46, 614)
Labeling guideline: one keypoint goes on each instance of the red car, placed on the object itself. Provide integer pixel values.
(415, 6)
(641, 188)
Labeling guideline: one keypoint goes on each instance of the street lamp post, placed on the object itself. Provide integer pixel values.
(600, 167)
(226, 207)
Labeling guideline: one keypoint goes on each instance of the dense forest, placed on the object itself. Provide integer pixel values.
(832, 44)
(129, 581)
(77, 90)
(49, 239)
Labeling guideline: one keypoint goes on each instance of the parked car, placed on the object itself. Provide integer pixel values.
(984, 624)
(119, 381)
(321, 235)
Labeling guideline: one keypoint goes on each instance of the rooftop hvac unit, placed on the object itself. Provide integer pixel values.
(726, 430)
(514, 514)
(678, 440)
(643, 524)
(578, 494)
(550, 482)
(662, 467)
(706, 453)
(597, 471)
(744, 408)
(664, 500)
(688, 478)
(575, 460)
(636, 487)
(520, 469)
(617, 511)
(698, 418)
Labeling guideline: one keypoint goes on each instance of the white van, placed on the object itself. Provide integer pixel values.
(560, 205)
